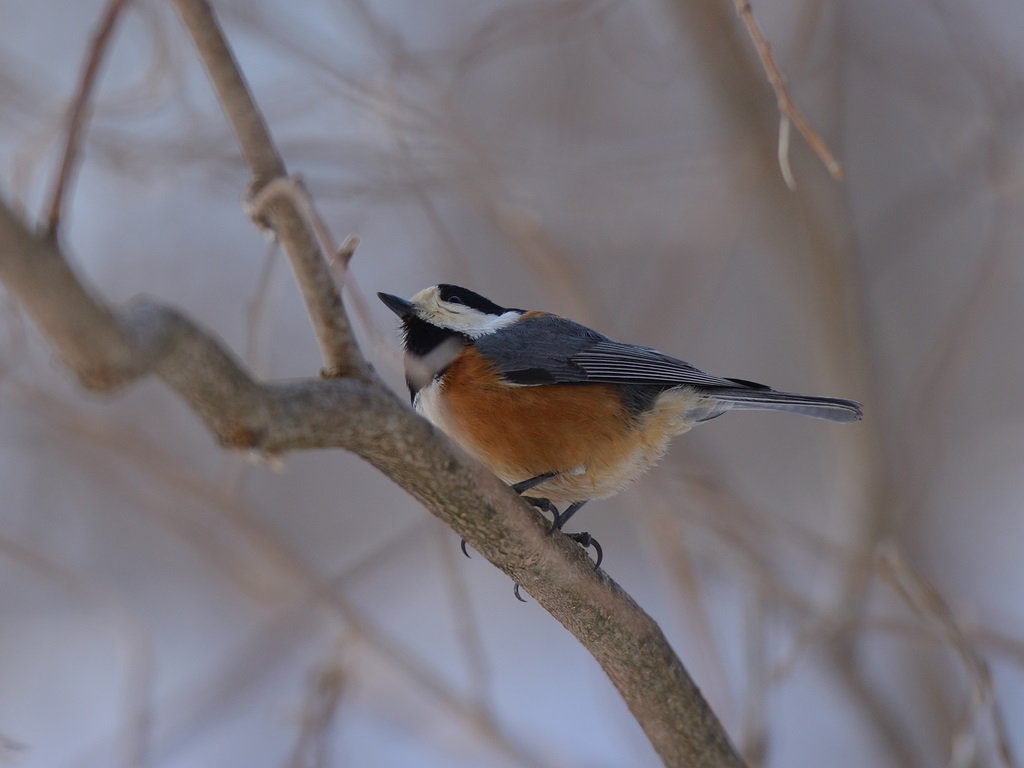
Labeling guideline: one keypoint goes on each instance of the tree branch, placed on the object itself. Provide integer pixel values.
(108, 348)
(790, 111)
(323, 299)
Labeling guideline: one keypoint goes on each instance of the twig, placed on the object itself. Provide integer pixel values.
(755, 716)
(79, 108)
(344, 253)
(339, 256)
(784, 165)
(321, 295)
(294, 189)
(752, 537)
(472, 646)
(930, 606)
(14, 347)
(138, 685)
(254, 311)
(10, 748)
(322, 700)
(782, 96)
(384, 349)
(670, 540)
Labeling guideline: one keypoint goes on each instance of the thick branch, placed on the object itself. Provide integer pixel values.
(107, 348)
(322, 297)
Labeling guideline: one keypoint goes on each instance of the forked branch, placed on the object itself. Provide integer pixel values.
(323, 299)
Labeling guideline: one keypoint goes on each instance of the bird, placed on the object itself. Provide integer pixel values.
(557, 409)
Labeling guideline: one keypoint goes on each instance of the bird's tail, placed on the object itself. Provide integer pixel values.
(744, 398)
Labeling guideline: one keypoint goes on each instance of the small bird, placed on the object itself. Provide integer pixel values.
(556, 408)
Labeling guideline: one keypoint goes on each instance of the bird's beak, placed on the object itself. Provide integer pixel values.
(399, 306)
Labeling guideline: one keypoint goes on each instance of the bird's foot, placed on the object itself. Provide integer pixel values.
(584, 539)
(587, 541)
(523, 487)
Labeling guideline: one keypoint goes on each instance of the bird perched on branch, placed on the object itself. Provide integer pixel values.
(555, 408)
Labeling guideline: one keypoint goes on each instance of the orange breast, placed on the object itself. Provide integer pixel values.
(581, 430)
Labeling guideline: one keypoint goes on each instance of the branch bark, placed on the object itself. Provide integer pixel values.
(108, 348)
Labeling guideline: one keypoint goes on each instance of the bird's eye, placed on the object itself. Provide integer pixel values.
(455, 300)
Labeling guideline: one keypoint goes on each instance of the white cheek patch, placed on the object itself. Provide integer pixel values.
(459, 317)
(490, 323)
(469, 321)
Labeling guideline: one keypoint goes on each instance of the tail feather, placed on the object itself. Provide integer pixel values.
(830, 408)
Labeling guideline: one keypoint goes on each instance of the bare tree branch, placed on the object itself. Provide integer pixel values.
(354, 410)
(322, 297)
(787, 107)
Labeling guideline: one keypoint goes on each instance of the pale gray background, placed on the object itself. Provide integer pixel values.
(614, 161)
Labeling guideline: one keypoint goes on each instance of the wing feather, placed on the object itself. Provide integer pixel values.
(549, 349)
(615, 362)
(546, 349)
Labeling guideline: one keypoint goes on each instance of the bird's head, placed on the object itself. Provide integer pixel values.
(445, 311)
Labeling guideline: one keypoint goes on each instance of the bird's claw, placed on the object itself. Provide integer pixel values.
(587, 541)
(558, 519)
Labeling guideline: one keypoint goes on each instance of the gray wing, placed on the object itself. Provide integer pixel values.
(551, 350)
(616, 363)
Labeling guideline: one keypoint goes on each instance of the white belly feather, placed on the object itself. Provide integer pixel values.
(428, 403)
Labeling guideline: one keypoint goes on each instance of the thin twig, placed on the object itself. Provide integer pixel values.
(755, 716)
(294, 189)
(784, 165)
(255, 308)
(79, 109)
(670, 540)
(782, 96)
(473, 649)
(344, 252)
(339, 255)
(318, 715)
(10, 749)
(15, 345)
(138, 682)
(930, 606)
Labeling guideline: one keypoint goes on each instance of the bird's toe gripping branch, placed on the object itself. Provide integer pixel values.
(558, 520)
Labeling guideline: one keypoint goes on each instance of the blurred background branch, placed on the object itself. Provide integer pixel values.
(78, 110)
